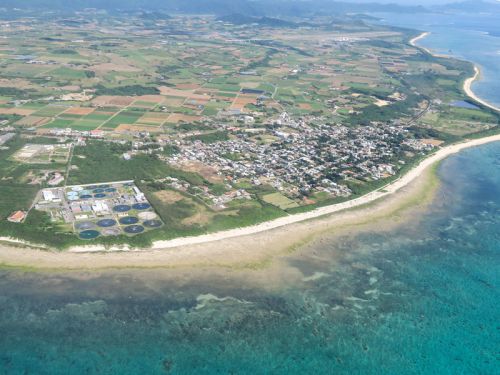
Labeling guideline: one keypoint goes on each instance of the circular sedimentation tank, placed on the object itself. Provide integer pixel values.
(111, 232)
(134, 229)
(100, 195)
(85, 196)
(129, 220)
(141, 206)
(106, 223)
(122, 208)
(152, 223)
(98, 191)
(89, 234)
(84, 225)
(110, 190)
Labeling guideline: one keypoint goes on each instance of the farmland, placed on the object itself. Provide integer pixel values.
(83, 80)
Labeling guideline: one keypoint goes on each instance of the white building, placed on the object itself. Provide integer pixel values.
(48, 195)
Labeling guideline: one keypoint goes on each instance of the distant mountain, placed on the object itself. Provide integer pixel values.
(153, 16)
(304, 8)
(471, 6)
(240, 19)
(255, 8)
(177, 6)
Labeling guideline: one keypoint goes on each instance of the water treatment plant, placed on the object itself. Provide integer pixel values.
(108, 209)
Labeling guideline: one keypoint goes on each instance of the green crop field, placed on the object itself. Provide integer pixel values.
(279, 200)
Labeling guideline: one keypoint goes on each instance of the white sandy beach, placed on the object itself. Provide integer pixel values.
(368, 198)
(468, 89)
(414, 41)
(468, 82)
(425, 34)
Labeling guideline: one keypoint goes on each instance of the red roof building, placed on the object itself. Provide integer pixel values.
(17, 217)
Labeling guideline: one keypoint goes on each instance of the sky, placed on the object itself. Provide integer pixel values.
(411, 2)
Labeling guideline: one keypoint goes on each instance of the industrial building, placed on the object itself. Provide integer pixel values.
(94, 210)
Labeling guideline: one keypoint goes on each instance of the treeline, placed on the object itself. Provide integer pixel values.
(422, 133)
(264, 62)
(386, 113)
(13, 92)
(130, 90)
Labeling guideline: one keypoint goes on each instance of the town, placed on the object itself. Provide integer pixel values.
(304, 159)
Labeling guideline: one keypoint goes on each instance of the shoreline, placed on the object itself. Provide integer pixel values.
(327, 210)
(414, 40)
(467, 86)
(252, 248)
(208, 248)
(425, 34)
(375, 195)
(468, 89)
(251, 253)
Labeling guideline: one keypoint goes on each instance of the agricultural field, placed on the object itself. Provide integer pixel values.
(458, 121)
(279, 200)
(150, 83)
(76, 78)
(43, 154)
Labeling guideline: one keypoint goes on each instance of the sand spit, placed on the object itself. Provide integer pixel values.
(467, 83)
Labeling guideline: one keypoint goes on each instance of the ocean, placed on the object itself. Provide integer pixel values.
(421, 298)
(473, 38)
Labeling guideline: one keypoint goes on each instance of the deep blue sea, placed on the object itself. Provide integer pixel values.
(423, 298)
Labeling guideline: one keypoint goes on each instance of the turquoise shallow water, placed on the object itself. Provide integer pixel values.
(422, 299)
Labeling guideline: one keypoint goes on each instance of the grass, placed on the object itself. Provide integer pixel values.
(279, 200)
(49, 111)
(83, 125)
(123, 118)
(467, 114)
(459, 121)
(67, 73)
(97, 117)
(59, 123)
